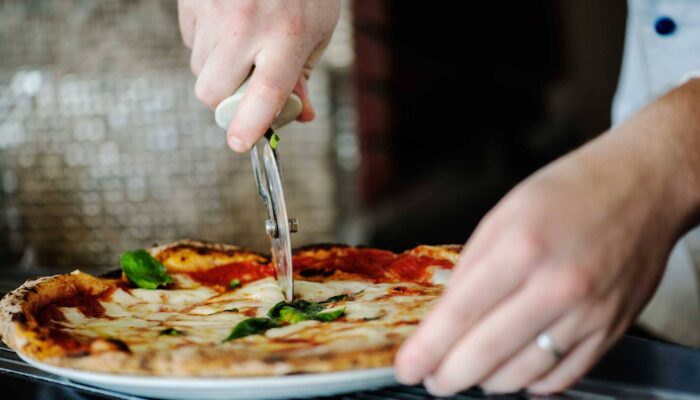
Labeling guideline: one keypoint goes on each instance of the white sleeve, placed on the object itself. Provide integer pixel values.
(692, 74)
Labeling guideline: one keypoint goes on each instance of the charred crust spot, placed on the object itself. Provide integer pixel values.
(307, 273)
(275, 358)
(113, 274)
(19, 317)
(78, 354)
(119, 344)
(203, 251)
(321, 246)
(204, 248)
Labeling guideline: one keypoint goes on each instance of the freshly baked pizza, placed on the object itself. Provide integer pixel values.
(190, 308)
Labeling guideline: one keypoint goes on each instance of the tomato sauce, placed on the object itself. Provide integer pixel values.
(369, 263)
(377, 265)
(223, 275)
(50, 317)
(413, 268)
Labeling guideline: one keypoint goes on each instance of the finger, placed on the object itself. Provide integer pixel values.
(573, 366)
(307, 110)
(533, 362)
(465, 300)
(506, 330)
(277, 71)
(185, 16)
(204, 42)
(223, 72)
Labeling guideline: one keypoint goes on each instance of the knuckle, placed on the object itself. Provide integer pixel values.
(295, 25)
(530, 246)
(205, 93)
(527, 249)
(239, 26)
(247, 10)
(569, 286)
(487, 348)
(576, 284)
(272, 92)
(195, 66)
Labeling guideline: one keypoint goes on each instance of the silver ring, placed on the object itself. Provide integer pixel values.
(544, 341)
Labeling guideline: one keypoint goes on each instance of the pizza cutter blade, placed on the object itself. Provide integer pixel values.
(278, 225)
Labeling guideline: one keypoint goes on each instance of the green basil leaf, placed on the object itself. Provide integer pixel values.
(293, 315)
(252, 326)
(234, 283)
(275, 310)
(330, 315)
(144, 271)
(307, 307)
(335, 299)
(171, 332)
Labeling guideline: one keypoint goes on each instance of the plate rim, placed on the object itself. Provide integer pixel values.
(195, 381)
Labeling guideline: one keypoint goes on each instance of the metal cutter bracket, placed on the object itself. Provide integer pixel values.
(277, 225)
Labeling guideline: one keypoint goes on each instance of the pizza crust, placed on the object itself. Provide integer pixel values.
(20, 329)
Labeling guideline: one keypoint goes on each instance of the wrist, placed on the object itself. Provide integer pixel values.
(665, 139)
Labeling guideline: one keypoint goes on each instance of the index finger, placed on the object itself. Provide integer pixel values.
(493, 277)
(277, 71)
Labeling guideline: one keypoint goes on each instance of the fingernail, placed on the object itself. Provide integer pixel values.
(430, 386)
(237, 144)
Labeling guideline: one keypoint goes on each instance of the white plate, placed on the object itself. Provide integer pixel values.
(278, 387)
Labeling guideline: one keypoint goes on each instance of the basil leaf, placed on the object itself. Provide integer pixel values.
(143, 270)
(293, 315)
(251, 326)
(307, 307)
(335, 299)
(171, 332)
(234, 283)
(330, 315)
(275, 310)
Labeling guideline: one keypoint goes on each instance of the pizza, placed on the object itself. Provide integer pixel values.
(191, 308)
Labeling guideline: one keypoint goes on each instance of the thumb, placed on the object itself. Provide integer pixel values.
(307, 110)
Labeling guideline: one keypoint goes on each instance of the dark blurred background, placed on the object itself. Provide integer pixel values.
(456, 105)
(427, 114)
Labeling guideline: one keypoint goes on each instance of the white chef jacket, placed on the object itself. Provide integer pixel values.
(662, 50)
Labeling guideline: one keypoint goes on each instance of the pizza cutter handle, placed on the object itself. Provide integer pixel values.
(227, 108)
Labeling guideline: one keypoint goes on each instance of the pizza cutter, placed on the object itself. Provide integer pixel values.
(263, 155)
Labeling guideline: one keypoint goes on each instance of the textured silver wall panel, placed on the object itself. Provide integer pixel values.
(104, 148)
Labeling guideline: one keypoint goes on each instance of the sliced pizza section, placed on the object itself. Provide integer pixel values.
(221, 313)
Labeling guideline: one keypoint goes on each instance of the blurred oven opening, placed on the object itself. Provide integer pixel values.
(455, 106)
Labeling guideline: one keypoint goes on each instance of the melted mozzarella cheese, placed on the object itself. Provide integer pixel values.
(319, 291)
(375, 313)
(263, 294)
